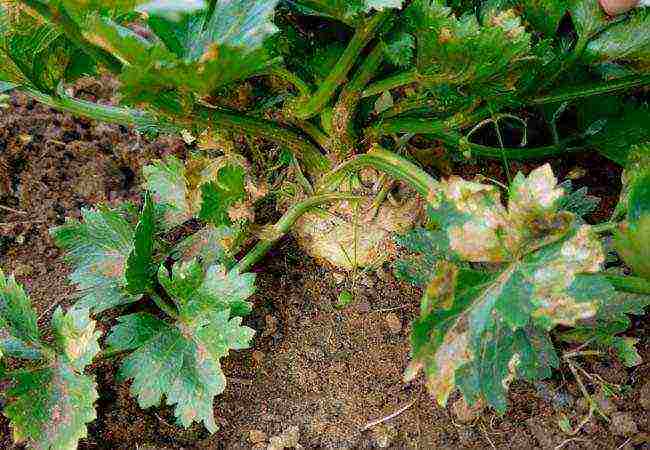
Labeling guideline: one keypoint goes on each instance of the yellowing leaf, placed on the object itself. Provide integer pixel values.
(479, 331)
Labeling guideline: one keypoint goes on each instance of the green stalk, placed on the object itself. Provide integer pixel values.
(59, 16)
(313, 104)
(392, 82)
(164, 306)
(344, 136)
(593, 89)
(384, 161)
(303, 88)
(455, 140)
(313, 160)
(103, 113)
(425, 125)
(634, 285)
(283, 226)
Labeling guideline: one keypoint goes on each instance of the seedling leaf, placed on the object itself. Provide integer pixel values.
(180, 360)
(140, 266)
(98, 248)
(19, 335)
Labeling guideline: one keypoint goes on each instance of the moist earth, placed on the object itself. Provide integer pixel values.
(316, 374)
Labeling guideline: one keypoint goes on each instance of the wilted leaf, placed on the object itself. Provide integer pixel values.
(98, 248)
(212, 190)
(479, 331)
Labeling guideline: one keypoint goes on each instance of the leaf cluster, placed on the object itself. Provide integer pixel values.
(499, 279)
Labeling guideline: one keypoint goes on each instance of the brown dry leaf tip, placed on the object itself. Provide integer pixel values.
(440, 291)
(453, 353)
(211, 54)
(445, 36)
(241, 211)
(616, 7)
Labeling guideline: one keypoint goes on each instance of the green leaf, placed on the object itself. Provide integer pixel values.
(578, 202)
(400, 49)
(347, 11)
(19, 335)
(545, 15)
(627, 128)
(588, 18)
(213, 190)
(632, 239)
(628, 40)
(98, 248)
(181, 360)
(36, 54)
(198, 52)
(479, 331)
(462, 51)
(195, 290)
(49, 407)
(140, 265)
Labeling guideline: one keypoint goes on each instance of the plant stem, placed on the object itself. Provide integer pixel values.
(593, 89)
(303, 88)
(605, 227)
(313, 104)
(164, 306)
(426, 125)
(103, 113)
(344, 136)
(517, 153)
(397, 80)
(634, 285)
(59, 16)
(384, 161)
(313, 160)
(283, 226)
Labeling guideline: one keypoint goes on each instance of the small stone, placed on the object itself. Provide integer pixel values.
(465, 413)
(623, 424)
(271, 325)
(258, 357)
(22, 270)
(256, 436)
(339, 278)
(394, 323)
(288, 439)
(383, 435)
(644, 397)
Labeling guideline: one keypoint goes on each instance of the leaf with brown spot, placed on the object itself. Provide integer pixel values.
(202, 187)
(479, 331)
(49, 406)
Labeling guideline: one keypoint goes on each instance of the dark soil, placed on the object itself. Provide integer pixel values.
(329, 372)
